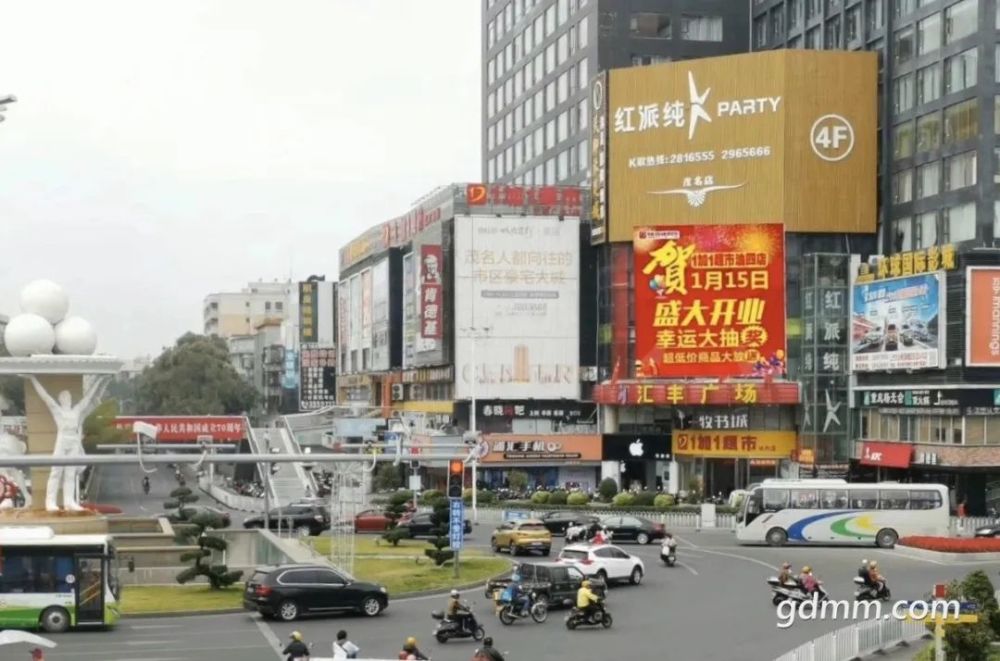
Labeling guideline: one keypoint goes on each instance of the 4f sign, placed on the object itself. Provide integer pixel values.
(832, 138)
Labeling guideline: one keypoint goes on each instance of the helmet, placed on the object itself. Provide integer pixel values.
(515, 578)
(864, 562)
(786, 565)
(873, 564)
(585, 584)
(454, 593)
(807, 569)
(296, 635)
(488, 641)
(411, 641)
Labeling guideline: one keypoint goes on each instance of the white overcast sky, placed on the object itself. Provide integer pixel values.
(164, 149)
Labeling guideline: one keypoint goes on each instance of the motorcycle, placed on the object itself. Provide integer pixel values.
(668, 553)
(449, 629)
(793, 591)
(599, 617)
(576, 534)
(868, 592)
(508, 612)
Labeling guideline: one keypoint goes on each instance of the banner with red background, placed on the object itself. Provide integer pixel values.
(710, 300)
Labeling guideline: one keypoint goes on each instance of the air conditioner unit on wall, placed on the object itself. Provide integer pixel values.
(397, 392)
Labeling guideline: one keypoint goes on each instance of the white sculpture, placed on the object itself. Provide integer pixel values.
(46, 299)
(69, 439)
(75, 336)
(28, 334)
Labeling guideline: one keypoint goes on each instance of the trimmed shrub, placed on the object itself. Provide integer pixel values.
(430, 496)
(540, 498)
(663, 501)
(400, 497)
(485, 497)
(624, 499)
(558, 497)
(577, 498)
(644, 499)
(607, 489)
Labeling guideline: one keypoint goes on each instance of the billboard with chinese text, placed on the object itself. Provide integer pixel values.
(896, 324)
(344, 322)
(710, 301)
(177, 428)
(431, 288)
(410, 328)
(380, 316)
(366, 310)
(735, 444)
(317, 381)
(982, 317)
(517, 307)
(787, 134)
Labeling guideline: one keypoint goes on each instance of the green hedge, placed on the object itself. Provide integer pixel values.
(598, 506)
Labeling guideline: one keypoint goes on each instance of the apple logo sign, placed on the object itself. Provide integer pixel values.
(635, 448)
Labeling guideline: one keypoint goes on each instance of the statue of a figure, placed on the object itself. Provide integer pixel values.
(69, 439)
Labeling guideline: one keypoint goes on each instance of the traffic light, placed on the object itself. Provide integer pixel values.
(456, 475)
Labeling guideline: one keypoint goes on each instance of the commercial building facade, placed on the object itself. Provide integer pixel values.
(540, 55)
(239, 313)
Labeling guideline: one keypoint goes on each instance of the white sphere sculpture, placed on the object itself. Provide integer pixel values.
(28, 334)
(75, 336)
(46, 299)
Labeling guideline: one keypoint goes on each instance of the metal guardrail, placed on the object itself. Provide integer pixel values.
(857, 641)
(668, 519)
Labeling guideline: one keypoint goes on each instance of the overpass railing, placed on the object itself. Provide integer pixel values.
(858, 641)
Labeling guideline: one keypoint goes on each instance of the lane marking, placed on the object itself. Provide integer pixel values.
(272, 640)
(148, 642)
(155, 626)
(687, 567)
(730, 555)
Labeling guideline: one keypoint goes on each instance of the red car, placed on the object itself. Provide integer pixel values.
(371, 521)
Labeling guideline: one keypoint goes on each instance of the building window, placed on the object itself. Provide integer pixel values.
(960, 71)
(794, 14)
(902, 140)
(550, 20)
(582, 74)
(582, 32)
(491, 136)
(550, 172)
(833, 34)
(701, 28)
(903, 45)
(928, 179)
(961, 121)
(539, 140)
(903, 7)
(563, 87)
(646, 60)
(960, 20)
(902, 187)
(960, 222)
(581, 114)
(795, 42)
(778, 24)
(874, 15)
(490, 171)
(550, 58)
(929, 132)
(650, 25)
(902, 94)
(582, 155)
(854, 24)
(563, 48)
(563, 11)
(812, 38)
(760, 31)
(927, 231)
(539, 103)
(550, 95)
(529, 40)
(929, 83)
(902, 234)
(813, 8)
(562, 165)
(539, 29)
(929, 34)
(550, 134)
(563, 125)
(960, 171)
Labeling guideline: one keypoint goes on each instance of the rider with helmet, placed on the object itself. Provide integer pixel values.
(518, 598)
(808, 581)
(487, 652)
(410, 650)
(458, 612)
(785, 575)
(296, 649)
(586, 600)
(875, 578)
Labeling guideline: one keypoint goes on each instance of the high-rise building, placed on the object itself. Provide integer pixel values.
(227, 314)
(539, 56)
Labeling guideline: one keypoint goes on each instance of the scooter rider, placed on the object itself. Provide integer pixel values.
(458, 612)
(487, 652)
(145, 484)
(808, 581)
(669, 544)
(586, 600)
(875, 578)
(785, 576)
(518, 598)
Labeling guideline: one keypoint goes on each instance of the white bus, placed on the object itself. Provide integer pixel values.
(56, 581)
(777, 512)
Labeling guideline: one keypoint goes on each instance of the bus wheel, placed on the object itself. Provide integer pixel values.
(776, 537)
(54, 620)
(886, 538)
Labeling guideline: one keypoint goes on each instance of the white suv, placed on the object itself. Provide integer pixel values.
(609, 563)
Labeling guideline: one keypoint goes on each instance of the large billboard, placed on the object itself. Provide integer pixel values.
(710, 301)
(982, 317)
(517, 307)
(409, 310)
(896, 324)
(355, 344)
(318, 380)
(431, 288)
(744, 139)
(366, 310)
(380, 316)
(344, 323)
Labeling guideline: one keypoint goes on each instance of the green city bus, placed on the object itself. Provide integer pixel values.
(55, 582)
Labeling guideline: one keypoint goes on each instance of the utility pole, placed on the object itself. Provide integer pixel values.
(267, 483)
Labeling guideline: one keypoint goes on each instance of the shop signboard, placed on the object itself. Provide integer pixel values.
(640, 393)
(750, 444)
(982, 317)
(710, 301)
(318, 377)
(896, 324)
(636, 447)
(543, 409)
(517, 307)
(930, 401)
(886, 455)
(543, 448)
(431, 285)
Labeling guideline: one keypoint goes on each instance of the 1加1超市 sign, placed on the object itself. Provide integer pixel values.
(710, 300)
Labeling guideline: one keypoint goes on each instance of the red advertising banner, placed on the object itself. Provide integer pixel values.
(710, 301)
(189, 428)
(430, 291)
(890, 455)
(535, 200)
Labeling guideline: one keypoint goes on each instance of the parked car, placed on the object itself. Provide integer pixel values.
(521, 536)
(188, 512)
(558, 521)
(419, 525)
(633, 529)
(372, 521)
(288, 592)
(604, 561)
(304, 519)
(554, 582)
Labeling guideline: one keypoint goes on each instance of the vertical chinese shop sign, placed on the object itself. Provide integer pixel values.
(710, 300)
(431, 281)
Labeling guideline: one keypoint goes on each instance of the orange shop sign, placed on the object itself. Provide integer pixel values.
(735, 444)
(658, 393)
(982, 317)
(710, 300)
(506, 448)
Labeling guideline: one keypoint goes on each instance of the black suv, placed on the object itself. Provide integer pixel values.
(553, 582)
(419, 525)
(290, 591)
(305, 519)
(558, 521)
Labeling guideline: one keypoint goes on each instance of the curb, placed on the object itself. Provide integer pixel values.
(232, 611)
(924, 554)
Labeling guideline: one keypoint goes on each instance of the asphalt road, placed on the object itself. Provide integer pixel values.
(714, 606)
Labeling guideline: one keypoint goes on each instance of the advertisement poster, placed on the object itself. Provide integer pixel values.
(380, 316)
(896, 324)
(982, 317)
(366, 309)
(431, 282)
(409, 310)
(710, 301)
(735, 444)
(517, 307)
(317, 380)
(343, 323)
(355, 344)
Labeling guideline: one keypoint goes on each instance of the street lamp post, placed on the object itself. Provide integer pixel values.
(474, 332)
